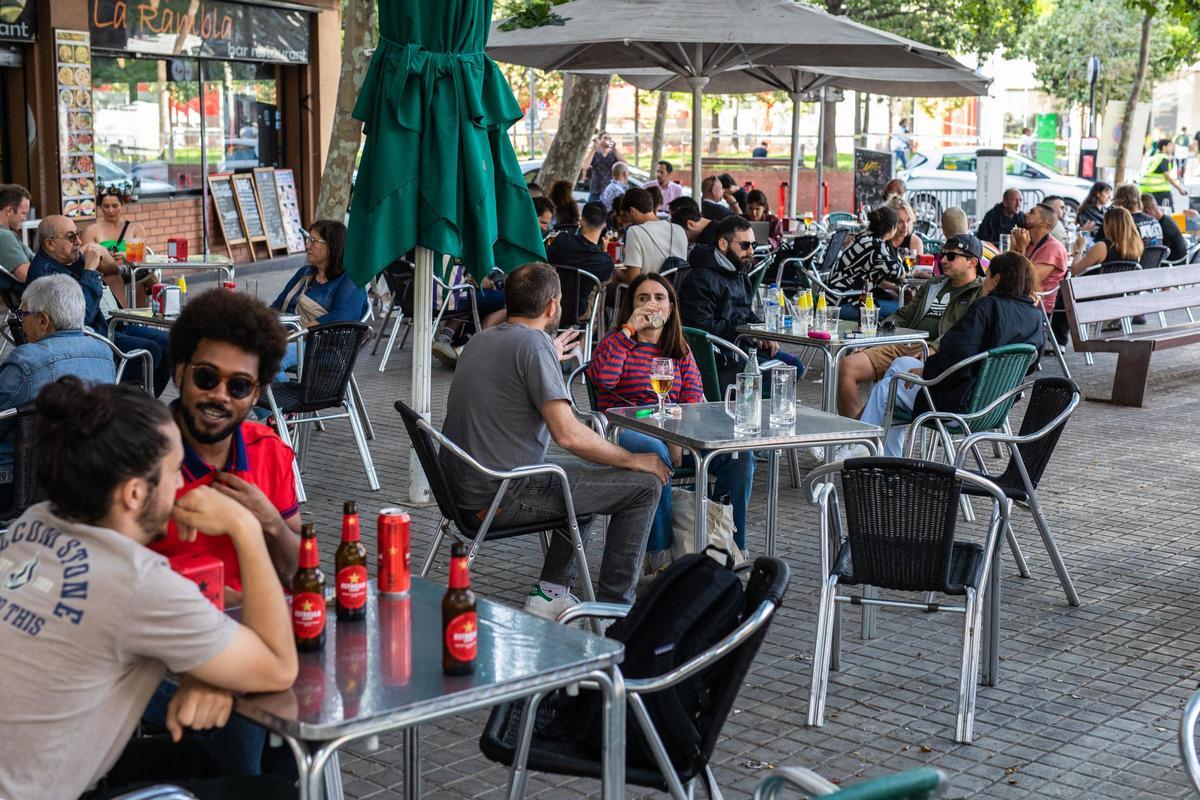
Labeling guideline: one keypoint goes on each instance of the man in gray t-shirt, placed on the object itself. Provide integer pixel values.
(507, 401)
(14, 208)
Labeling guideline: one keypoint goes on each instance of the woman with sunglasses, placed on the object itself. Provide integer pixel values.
(620, 372)
(1006, 313)
(870, 259)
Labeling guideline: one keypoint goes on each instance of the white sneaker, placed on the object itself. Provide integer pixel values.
(543, 605)
(845, 451)
(445, 353)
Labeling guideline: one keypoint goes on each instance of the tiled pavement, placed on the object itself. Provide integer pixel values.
(1089, 699)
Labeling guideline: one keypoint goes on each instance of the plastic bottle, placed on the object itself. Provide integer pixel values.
(773, 311)
(821, 313)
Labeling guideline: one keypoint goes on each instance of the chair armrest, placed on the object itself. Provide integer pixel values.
(512, 474)
(1013, 439)
(815, 277)
(594, 611)
(801, 778)
(9, 412)
(727, 345)
(706, 659)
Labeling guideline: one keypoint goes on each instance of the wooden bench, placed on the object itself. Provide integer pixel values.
(1099, 298)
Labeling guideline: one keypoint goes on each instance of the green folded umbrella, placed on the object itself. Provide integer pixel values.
(438, 170)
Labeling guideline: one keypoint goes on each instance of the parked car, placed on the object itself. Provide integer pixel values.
(531, 170)
(934, 176)
(109, 174)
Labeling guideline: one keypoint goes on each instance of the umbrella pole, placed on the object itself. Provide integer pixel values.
(697, 84)
(422, 355)
(794, 170)
(820, 152)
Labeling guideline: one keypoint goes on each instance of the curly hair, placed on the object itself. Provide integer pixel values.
(237, 319)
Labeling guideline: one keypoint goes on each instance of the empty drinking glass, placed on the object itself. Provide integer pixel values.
(869, 321)
(747, 404)
(783, 396)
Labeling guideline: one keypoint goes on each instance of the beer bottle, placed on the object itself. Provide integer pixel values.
(308, 594)
(459, 624)
(351, 568)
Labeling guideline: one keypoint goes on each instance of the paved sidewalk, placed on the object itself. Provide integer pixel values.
(1089, 699)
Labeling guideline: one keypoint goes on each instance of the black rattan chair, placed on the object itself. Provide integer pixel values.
(330, 352)
(1051, 402)
(562, 750)
(582, 299)
(398, 277)
(1154, 256)
(900, 536)
(426, 440)
(26, 487)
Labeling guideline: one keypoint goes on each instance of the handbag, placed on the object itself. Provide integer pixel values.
(720, 526)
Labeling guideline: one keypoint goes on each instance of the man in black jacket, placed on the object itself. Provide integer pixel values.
(582, 250)
(1172, 237)
(1002, 218)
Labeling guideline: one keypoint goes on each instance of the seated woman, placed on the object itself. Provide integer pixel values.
(759, 210)
(870, 259)
(321, 291)
(906, 220)
(620, 371)
(1006, 313)
(1121, 242)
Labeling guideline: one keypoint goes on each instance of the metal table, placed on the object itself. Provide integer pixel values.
(707, 431)
(385, 674)
(224, 268)
(834, 350)
(143, 316)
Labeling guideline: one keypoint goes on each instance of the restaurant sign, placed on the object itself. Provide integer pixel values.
(207, 29)
(18, 20)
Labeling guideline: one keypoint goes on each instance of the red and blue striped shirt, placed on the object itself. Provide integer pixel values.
(620, 371)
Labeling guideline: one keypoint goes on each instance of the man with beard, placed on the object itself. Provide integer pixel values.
(91, 619)
(224, 348)
(507, 401)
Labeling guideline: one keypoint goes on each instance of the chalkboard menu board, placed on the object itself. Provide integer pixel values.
(285, 183)
(247, 202)
(272, 214)
(227, 211)
(872, 171)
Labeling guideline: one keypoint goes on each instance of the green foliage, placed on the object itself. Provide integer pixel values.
(529, 14)
(1068, 32)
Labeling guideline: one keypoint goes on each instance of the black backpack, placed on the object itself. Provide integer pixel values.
(693, 604)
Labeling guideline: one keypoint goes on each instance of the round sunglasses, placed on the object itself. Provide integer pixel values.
(208, 378)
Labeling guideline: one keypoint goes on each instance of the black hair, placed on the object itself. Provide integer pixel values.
(757, 197)
(1093, 196)
(727, 180)
(1050, 198)
(682, 202)
(333, 233)
(529, 289)
(237, 319)
(670, 167)
(594, 215)
(93, 438)
(566, 210)
(684, 214)
(731, 226)
(543, 204)
(880, 221)
(637, 199)
(11, 194)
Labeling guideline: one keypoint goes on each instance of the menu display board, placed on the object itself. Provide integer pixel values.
(285, 182)
(76, 156)
(227, 212)
(247, 201)
(272, 214)
(872, 171)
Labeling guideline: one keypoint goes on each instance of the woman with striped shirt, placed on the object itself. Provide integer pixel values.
(870, 259)
(620, 373)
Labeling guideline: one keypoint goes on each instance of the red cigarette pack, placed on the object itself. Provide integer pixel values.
(207, 572)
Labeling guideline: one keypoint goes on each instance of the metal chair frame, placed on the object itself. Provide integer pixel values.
(450, 290)
(123, 358)
(506, 477)
(1053, 342)
(1187, 739)
(924, 782)
(821, 490)
(161, 791)
(597, 292)
(635, 688)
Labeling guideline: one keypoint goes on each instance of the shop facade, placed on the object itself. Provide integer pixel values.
(146, 97)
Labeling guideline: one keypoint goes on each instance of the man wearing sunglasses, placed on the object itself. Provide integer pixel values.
(62, 252)
(938, 305)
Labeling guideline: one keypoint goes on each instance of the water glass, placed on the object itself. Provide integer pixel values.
(868, 319)
(783, 396)
(1004, 241)
(746, 410)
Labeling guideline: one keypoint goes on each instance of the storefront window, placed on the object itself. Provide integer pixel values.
(150, 120)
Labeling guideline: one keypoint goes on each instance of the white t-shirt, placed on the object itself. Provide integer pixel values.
(90, 621)
(649, 244)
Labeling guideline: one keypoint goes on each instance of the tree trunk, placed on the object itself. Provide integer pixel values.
(576, 127)
(660, 124)
(714, 138)
(830, 154)
(337, 178)
(1135, 94)
(866, 128)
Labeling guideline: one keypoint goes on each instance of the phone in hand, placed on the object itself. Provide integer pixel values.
(17, 330)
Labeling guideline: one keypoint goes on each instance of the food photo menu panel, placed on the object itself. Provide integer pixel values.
(73, 53)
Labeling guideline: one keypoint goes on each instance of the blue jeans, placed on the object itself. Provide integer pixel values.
(734, 477)
(239, 748)
(876, 408)
(291, 360)
(154, 340)
(886, 309)
(901, 159)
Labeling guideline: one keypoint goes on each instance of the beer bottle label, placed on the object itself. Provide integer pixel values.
(460, 574)
(352, 586)
(462, 637)
(308, 615)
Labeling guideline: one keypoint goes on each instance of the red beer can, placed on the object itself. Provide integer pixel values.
(230, 285)
(395, 626)
(393, 541)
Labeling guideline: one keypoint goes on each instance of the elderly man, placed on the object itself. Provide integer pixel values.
(62, 253)
(1002, 218)
(51, 314)
(617, 186)
(15, 255)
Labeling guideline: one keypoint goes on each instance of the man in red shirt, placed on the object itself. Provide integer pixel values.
(224, 348)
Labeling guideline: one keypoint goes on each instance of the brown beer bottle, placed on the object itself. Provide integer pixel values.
(351, 569)
(308, 594)
(460, 630)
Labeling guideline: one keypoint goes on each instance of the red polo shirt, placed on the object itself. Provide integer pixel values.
(258, 456)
